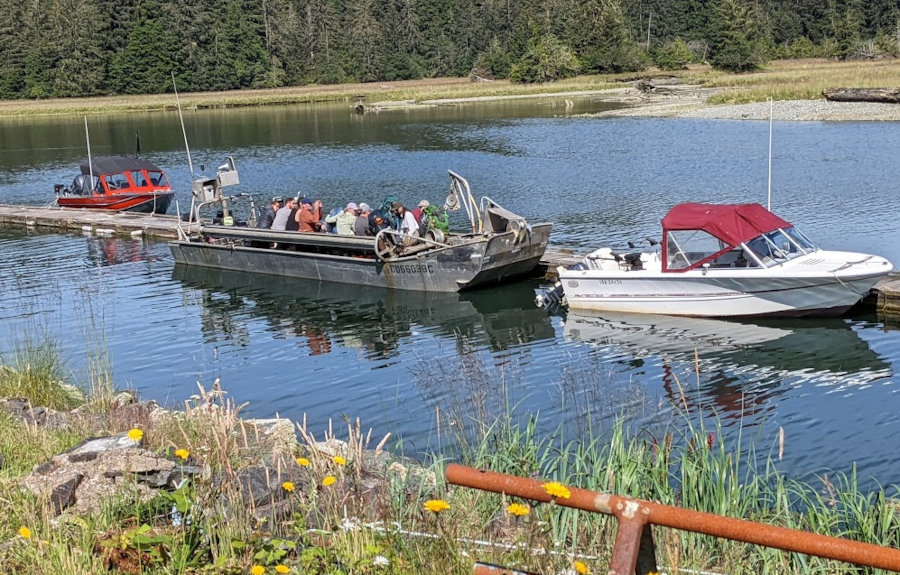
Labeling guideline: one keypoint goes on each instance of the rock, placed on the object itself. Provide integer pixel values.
(39, 416)
(124, 398)
(98, 468)
(277, 433)
(63, 495)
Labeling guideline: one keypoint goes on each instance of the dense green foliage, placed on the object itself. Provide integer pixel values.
(61, 48)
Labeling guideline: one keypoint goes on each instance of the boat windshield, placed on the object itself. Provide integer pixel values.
(684, 248)
(779, 246)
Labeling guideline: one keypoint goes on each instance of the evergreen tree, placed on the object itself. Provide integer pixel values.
(363, 40)
(675, 55)
(847, 32)
(737, 45)
(608, 46)
(12, 51)
(146, 64)
(547, 60)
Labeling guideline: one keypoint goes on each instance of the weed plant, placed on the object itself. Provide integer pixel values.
(353, 506)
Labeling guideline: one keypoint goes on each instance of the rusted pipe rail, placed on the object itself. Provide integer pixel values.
(634, 514)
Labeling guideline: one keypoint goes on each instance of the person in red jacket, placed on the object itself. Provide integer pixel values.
(309, 215)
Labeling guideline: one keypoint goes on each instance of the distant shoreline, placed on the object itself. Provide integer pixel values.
(679, 100)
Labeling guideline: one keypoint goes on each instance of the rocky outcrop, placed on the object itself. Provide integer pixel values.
(98, 469)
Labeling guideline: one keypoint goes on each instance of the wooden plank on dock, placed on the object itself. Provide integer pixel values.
(888, 294)
(101, 222)
(554, 257)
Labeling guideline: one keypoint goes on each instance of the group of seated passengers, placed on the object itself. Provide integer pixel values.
(354, 220)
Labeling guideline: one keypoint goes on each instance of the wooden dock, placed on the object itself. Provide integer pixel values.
(99, 222)
(102, 222)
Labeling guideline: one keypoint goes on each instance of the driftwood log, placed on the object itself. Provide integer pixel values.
(880, 95)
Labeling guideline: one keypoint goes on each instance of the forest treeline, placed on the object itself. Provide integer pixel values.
(66, 48)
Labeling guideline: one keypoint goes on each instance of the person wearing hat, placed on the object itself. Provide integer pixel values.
(409, 227)
(283, 215)
(309, 215)
(346, 220)
(420, 209)
(267, 214)
(361, 226)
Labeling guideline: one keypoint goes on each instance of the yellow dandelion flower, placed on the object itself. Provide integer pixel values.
(518, 509)
(339, 460)
(135, 434)
(302, 461)
(436, 505)
(557, 489)
(25, 532)
(330, 480)
(282, 569)
(288, 486)
(182, 453)
(581, 568)
(257, 570)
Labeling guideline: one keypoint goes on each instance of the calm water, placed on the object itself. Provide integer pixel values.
(396, 360)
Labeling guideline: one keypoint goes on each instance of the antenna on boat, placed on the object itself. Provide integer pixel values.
(771, 109)
(87, 137)
(183, 131)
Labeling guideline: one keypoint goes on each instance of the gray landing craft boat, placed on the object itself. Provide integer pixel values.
(500, 245)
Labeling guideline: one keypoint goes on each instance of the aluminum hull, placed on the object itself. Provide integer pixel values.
(822, 283)
(471, 261)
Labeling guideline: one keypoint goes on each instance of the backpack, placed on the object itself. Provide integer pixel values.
(386, 213)
(377, 222)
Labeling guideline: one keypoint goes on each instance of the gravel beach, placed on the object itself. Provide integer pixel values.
(690, 102)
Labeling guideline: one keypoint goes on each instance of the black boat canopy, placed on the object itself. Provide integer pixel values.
(116, 164)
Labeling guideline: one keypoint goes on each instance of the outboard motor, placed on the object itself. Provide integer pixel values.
(550, 298)
(78, 185)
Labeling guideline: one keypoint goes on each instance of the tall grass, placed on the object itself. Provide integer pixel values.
(358, 508)
(34, 371)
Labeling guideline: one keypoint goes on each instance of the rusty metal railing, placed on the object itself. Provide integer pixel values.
(633, 551)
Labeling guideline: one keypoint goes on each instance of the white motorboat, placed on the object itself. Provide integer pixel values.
(719, 260)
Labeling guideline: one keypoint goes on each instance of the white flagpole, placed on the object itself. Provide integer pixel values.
(87, 136)
(771, 109)
(183, 131)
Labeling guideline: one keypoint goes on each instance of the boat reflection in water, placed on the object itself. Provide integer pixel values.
(374, 320)
(741, 367)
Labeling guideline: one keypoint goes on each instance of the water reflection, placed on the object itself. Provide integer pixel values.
(110, 251)
(323, 315)
(741, 366)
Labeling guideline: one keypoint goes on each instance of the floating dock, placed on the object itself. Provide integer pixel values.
(886, 294)
(99, 222)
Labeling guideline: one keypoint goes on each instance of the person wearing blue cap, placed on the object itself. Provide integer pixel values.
(309, 215)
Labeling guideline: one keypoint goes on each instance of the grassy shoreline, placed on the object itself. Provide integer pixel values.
(347, 517)
(781, 80)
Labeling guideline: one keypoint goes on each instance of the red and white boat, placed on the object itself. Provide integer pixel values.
(119, 183)
(723, 261)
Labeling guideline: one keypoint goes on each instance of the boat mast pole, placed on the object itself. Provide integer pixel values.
(87, 137)
(183, 131)
(771, 108)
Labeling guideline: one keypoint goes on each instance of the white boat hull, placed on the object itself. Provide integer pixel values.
(821, 283)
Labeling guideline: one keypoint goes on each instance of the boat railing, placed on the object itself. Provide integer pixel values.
(634, 549)
(388, 243)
